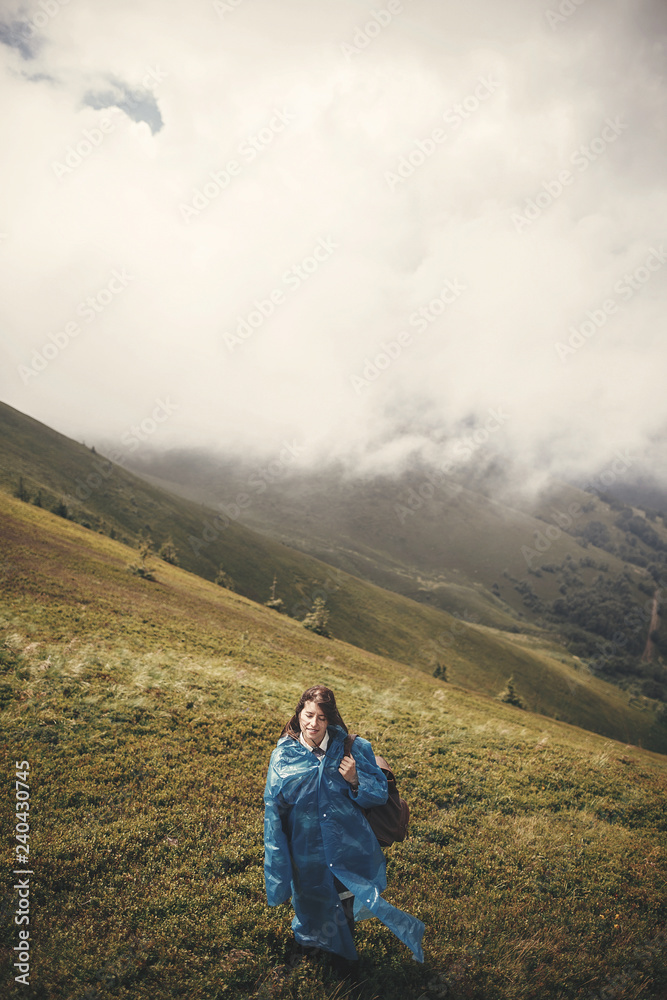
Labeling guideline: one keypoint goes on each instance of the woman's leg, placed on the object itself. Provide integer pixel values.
(347, 902)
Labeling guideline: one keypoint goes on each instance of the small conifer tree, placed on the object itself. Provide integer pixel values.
(141, 569)
(145, 549)
(60, 508)
(168, 552)
(510, 695)
(225, 580)
(316, 619)
(21, 491)
(274, 602)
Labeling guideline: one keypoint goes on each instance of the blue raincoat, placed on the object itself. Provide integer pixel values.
(314, 828)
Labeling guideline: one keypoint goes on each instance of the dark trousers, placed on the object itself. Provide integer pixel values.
(347, 904)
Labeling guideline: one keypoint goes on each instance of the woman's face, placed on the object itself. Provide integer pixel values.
(313, 722)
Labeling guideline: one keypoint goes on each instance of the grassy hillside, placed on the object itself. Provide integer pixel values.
(49, 466)
(53, 468)
(147, 712)
(405, 526)
(580, 566)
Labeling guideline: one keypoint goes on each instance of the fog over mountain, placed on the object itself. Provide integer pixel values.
(382, 231)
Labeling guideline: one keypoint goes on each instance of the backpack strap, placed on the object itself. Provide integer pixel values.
(347, 745)
(384, 766)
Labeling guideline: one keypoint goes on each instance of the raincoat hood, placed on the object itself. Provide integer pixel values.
(315, 829)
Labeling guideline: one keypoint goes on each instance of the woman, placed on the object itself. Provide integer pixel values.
(318, 845)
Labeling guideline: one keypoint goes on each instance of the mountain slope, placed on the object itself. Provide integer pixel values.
(36, 544)
(107, 498)
(547, 678)
(581, 568)
(146, 712)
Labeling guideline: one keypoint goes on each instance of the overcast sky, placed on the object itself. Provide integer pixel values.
(228, 209)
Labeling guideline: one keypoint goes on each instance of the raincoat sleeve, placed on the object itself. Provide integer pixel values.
(373, 789)
(277, 857)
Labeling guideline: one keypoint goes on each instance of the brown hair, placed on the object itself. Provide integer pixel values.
(325, 699)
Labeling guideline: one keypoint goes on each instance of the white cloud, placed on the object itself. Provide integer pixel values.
(312, 136)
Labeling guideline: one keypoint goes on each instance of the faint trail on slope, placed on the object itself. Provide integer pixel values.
(647, 655)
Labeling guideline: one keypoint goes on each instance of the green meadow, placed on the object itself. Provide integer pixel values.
(147, 711)
(480, 655)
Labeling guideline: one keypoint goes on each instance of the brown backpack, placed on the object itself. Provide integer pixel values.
(389, 822)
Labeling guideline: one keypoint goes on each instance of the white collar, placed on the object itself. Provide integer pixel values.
(323, 745)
